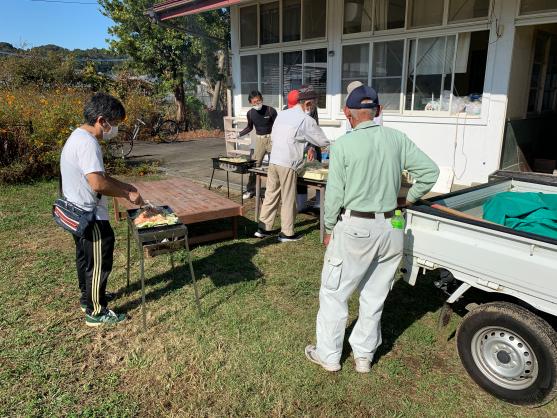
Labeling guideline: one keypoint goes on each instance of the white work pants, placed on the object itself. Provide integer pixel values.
(363, 254)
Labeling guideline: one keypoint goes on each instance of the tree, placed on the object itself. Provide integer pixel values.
(174, 56)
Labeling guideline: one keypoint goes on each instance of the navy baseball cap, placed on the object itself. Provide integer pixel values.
(359, 94)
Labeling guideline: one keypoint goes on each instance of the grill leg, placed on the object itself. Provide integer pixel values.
(212, 175)
(197, 301)
(322, 213)
(128, 262)
(257, 196)
(227, 186)
(142, 269)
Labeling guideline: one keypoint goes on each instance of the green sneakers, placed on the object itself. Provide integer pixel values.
(83, 307)
(106, 318)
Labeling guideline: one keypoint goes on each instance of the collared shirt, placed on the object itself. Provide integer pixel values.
(365, 170)
(292, 129)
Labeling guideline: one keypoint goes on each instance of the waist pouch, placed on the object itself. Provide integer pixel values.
(71, 217)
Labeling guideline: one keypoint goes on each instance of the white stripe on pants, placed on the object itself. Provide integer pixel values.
(363, 254)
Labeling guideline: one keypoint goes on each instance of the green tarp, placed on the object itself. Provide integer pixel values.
(528, 212)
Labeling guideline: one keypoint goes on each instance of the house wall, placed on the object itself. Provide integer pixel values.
(468, 147)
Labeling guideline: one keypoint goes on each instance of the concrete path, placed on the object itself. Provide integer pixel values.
(191, 159)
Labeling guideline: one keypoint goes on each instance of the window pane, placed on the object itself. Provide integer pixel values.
(269, 23)
(270, 79)
(291, 20)
(248, 66)
(537, 6)
(355, 66)
(291, 72)
(315, 19)
(389, 14)
(432, 60)
(468, 9)
(357, 16)
(315, 73)
(426, 13)
(387, 73)
(248, 26)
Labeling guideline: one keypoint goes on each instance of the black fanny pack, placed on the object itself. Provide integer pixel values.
(71, 217)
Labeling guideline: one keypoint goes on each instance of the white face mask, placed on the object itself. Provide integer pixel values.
(307, 112)
(258, 107)
(112, 133)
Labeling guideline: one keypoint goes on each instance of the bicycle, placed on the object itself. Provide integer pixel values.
(121, 146)
(166, 130)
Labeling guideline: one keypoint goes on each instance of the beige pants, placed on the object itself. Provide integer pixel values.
(263, 146)
(281, 185)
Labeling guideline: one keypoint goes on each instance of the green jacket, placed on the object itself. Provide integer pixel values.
(366, 167)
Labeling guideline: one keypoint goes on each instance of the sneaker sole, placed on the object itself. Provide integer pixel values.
(328, 368)
(260, 235)
(289, 239)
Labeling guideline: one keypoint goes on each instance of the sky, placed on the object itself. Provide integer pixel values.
(70, 25)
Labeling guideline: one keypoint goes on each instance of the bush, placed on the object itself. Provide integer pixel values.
(27, 154)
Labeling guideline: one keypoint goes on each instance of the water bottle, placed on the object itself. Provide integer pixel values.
(397, 221)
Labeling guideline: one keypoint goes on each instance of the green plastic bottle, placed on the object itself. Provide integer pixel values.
(397, 221)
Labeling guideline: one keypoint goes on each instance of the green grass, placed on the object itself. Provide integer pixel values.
(243, 357)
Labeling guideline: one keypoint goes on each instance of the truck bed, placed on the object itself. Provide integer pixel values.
(491, 257)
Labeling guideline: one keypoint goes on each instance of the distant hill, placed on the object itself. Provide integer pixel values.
(98, 55)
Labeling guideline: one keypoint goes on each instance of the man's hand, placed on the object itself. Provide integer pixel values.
(311, 154)
(326, 239)
(401, 202)
(135, 198)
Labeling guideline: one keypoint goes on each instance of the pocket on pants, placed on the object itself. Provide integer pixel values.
(332, 273)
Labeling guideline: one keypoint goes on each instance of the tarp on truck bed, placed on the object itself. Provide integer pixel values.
(535, 213)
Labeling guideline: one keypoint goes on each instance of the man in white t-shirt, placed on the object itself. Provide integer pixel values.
(85, 184)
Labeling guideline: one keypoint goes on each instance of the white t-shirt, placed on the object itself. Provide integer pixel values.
(82, 155)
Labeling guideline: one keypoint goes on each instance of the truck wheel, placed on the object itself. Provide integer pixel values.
(509, 352)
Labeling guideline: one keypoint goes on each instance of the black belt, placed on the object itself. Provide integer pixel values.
(368, 215)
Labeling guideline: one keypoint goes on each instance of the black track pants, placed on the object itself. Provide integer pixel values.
(93, 259)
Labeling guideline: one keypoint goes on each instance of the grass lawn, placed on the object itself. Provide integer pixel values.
(243, 357)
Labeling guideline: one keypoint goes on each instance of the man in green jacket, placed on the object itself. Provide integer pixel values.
(364, 248)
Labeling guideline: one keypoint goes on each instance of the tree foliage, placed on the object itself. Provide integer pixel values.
(176, 57)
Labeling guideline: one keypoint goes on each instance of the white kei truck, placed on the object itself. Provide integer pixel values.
(507, 342)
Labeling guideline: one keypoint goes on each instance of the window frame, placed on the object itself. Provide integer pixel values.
(323, 111)
(407, 38)
(281, 43)
(408, 29)
(534, 15)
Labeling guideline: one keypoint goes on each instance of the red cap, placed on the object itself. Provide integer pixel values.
(292, 98)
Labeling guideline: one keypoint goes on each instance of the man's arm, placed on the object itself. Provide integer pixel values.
(109, 186)
(310, 131)
(421, 168)
(334, 194)
(248, 128)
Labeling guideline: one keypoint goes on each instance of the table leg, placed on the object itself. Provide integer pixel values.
(197, 301)
(235, 227)
(142, 270)
(257, 196)
(128, 262)
(242, 189)
(227, 186)
(212, 175)
(322, 213)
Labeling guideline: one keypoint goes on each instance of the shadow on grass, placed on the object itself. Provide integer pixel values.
(229, 264)
(404, 306)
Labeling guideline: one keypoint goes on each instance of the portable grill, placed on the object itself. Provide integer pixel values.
(240, 167)
(154, 241)
(232, 166)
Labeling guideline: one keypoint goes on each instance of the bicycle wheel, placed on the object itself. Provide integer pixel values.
(122, 145)
(168, 131)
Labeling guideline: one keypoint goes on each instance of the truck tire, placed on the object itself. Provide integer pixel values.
(510, 352)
